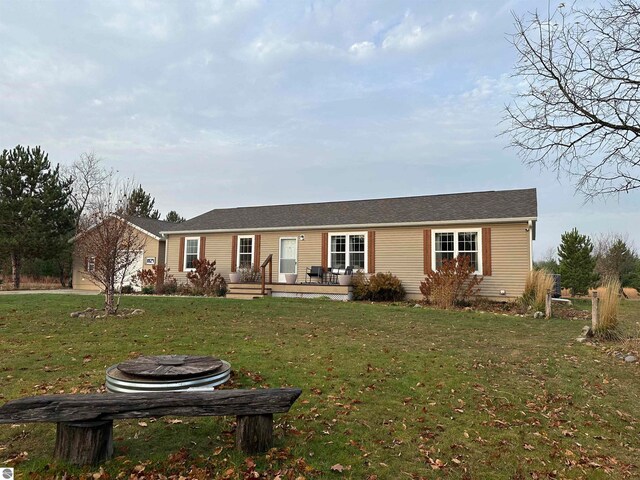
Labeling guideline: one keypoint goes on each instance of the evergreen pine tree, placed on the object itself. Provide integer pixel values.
(618, 261)
(174, 217)
(140, 204)
(35, 216)
(576, 262)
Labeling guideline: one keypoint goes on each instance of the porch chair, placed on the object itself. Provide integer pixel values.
(314, 272)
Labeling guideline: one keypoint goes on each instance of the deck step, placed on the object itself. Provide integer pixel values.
(247, 291)
(253, 291)
(244, 296)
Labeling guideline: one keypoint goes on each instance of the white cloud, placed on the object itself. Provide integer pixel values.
(412, 33)
(362, 49)
(217, 12)
(274, 49)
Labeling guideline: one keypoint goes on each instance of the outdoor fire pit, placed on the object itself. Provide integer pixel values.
(167, 373)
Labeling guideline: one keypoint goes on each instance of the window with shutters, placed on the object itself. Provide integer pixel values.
(245, 251)
(450, 243)
(91, 264)
(191, 249)
(348, 249)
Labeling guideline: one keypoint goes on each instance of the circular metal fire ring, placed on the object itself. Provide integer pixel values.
(118, 381)
(170, 366)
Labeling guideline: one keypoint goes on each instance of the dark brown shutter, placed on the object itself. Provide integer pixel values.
(203, 245)
(371, 261)
(325, 251)
(426, 244)
(181, 257)
(234, 252)
(256, 253)
(486, 251)
(86, 264)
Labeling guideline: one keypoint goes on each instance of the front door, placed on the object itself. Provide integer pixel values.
(288, 257)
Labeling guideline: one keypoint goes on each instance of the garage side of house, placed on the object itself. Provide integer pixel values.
(152, 253)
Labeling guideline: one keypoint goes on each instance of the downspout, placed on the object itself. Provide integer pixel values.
(530, 229)
(166, 250)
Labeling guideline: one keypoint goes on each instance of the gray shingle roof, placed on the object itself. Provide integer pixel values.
(150, 225)
(428, 208)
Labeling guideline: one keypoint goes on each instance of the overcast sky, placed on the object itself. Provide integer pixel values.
(252, 102)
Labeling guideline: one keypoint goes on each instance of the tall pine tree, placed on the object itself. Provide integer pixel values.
(35, 216)
(174, 217)
(140, 204)
(576, 262)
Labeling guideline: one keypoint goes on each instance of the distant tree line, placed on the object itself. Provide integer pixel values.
(43, 206)
(583, 263)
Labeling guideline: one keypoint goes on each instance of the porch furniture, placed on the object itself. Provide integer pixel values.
(85, 422)
(315, 272)
(332, 273)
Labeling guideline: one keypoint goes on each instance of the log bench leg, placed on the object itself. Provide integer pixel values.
(84, 443)
(254, 433)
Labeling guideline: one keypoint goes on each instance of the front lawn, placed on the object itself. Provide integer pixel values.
(388, 391)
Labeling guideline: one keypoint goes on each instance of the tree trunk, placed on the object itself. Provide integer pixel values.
(254, 433)
(62, 277)
(108, 300)
(594, 311)
(16, 264)
(84, 443)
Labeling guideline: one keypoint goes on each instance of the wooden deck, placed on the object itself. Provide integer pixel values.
(298, 290)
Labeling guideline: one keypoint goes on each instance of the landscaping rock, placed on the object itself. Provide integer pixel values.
(630, 359)
(538, 315)
(586, 331)
(95, 314)
(581, 339)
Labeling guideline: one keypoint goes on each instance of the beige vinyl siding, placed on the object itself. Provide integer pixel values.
(399, 250)
(81, 281)
(511, 261)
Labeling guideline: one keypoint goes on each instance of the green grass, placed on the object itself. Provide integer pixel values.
(392, 391)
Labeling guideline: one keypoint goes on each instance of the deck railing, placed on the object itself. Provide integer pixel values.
(263, 267)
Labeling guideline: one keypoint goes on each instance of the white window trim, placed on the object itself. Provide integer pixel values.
(253, 250)
(456, 231)
(184, 259)
(347, 252)
(91, 260)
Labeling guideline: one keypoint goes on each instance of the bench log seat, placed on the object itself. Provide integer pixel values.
(85, 422)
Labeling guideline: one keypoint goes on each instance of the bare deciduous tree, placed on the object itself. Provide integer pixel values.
(579, 108)
(88, 176)
(109, 244)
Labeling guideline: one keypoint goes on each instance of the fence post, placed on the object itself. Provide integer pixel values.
(547, 305)
(594, 310)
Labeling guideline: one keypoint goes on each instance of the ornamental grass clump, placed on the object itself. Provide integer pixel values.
(538, 283)
(609, 295)
(454, 282)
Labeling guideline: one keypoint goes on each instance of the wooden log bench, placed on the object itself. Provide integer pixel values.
(85, 422)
